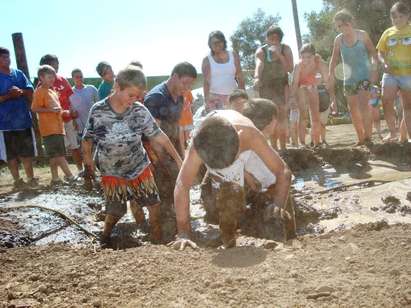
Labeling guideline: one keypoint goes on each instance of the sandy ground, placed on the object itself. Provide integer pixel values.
(359, 254)
(361, 267)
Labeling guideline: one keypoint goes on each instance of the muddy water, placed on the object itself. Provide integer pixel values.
(323, 203)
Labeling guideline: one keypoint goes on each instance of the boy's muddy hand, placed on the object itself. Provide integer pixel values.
(274, 211)
(181, 242)
(281, 213)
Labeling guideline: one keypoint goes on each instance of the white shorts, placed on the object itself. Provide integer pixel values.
(71, 137)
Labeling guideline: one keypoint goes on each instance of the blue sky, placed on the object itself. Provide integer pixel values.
(159, 33)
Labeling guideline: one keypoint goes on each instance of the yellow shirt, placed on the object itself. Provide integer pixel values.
(396, 46)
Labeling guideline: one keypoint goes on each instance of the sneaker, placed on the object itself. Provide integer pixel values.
(19, 184)
(69, 179)
(33, 182)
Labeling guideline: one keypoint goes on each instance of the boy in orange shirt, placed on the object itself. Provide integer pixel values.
(46, 104)
(186, 120)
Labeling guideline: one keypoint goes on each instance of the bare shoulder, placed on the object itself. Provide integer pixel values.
(363, 35)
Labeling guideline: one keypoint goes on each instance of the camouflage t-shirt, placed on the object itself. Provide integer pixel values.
(119, 149)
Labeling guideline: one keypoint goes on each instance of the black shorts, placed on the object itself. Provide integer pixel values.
(54, 146)
(19, 143)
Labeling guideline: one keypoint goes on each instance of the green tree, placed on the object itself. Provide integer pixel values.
(250, 35)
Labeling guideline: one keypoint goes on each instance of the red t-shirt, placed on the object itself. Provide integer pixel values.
(64, 91)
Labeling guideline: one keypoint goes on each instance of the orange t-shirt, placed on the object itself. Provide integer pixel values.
(186, 117)
(50, 123)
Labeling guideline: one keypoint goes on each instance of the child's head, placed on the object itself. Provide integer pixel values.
(307, 53)
(137, 64)
(263, 113)
(105, 71)
(47, 75)
(217, 142)
(129, 85)
(343, 21)
(51, 60)
(274, 35)
(237, 100)
(4, 57)
(182, 77)
(77, 77)
(400, 14)
(217, 41)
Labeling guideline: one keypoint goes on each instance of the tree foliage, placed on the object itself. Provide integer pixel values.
(250, 35)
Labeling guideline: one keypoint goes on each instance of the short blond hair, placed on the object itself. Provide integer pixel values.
(131, 76)
(45, 70)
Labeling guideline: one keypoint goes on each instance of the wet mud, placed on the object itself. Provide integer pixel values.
(321, 198)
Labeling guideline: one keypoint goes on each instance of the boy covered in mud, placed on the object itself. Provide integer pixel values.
(224, 142)
(116, 125)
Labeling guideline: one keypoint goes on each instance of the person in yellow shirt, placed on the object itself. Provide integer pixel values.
(394, 50)
(46, 103)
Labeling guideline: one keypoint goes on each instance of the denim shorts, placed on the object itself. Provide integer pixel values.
(402, 82)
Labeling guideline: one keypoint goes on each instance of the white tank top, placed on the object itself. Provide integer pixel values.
(222, 75)
(235, 172)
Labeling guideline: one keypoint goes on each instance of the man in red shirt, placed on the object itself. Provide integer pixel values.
(64, 90)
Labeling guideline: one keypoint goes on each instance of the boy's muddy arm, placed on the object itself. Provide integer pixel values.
(276, 165)
(87, 146)
(185, 180)
(162, 140)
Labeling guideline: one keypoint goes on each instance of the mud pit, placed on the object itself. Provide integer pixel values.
(332, 189)
(353, 212)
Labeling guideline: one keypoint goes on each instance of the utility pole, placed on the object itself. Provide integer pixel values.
(20, 52)
(297, 24)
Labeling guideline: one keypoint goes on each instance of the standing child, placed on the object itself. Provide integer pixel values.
(394, 50)
(116, 125)
(355, 49)
(305, 86)
(186, 120)
(47, 105)
(106, 73)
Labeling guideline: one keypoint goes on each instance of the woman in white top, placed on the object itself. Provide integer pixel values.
(222, 72)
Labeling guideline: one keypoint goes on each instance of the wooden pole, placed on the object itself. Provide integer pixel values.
(297, 24)
(20, 52)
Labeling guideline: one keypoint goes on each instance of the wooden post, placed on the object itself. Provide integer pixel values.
(20, 52)
(297, 24)
(21, 61)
